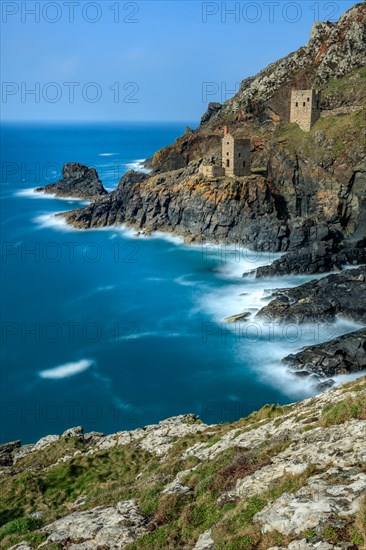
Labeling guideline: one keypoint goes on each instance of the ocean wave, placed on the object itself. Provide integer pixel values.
(150, 334)
(342, 378)
(174, 239)
(107, 154)
(66, 370)
(51, 221)
(183, 281)
(276, 374)
(33, 194)
(137, 165)
(131, 233)
(261, 345)
(278, 340)
(105, 288)
(236, 260)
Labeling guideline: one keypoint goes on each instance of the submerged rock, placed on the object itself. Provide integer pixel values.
(239, 317)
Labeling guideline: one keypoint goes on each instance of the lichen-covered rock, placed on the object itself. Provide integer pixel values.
(313, 504)
(45, 442)
(205, 542)
(303, 464)
(176, 487)
(77, 432)
(156, 438)
(303, 544)
(103, 527)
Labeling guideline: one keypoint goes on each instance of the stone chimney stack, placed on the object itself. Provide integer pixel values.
(226, 130)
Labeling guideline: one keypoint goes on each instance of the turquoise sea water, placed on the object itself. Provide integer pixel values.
(113, 332)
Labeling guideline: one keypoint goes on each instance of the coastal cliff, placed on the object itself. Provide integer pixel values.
(286, 477)
(305, 197)
(305, 188)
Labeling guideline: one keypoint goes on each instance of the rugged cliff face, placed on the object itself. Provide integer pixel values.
(289, 477)
(199, 209)
(306, 188)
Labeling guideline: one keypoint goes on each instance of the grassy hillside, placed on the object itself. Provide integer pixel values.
(71, 475)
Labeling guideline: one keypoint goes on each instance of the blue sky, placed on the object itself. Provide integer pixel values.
(145, 60)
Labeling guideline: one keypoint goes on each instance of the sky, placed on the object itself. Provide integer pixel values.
(150, 60)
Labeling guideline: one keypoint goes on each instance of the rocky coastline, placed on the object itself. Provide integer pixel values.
(339, 292)
(305, 197)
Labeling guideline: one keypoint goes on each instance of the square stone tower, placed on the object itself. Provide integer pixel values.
(235, 155)
(305, 108)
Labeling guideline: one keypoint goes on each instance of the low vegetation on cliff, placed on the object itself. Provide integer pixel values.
(284, 477)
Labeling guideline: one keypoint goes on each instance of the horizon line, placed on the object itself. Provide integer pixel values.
(59, 121)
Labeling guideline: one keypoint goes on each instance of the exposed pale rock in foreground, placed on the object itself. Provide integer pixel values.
(291, 477)
(102, 527)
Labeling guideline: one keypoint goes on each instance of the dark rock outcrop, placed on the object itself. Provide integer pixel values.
(212, 109)
(7, 453)
(342, 294)
(77, 181)
(229, 210)
(321, 257)
(341, 355)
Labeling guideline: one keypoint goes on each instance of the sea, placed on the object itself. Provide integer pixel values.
(114, 330)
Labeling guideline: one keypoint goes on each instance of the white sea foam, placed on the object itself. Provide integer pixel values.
(245, 295)
(53, 222)
(341, 378)
(234, 260)
(33, 194)
(262, 345)
(183, 280)
(279, 340)
(151, 334)
(131, 233)
(174, 239)
(66, 370)
(107, 154)
(105, 288)
(137, 165)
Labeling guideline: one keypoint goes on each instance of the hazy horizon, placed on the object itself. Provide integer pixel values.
(141, 61)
